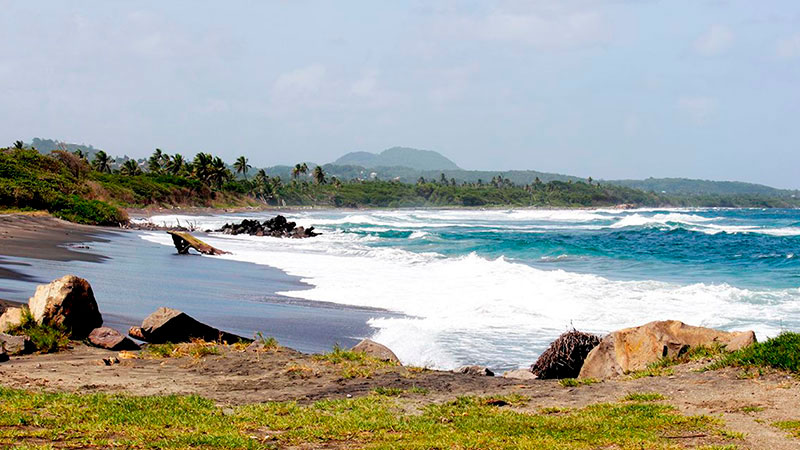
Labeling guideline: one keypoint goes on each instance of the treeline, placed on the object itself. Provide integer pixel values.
(73, 187)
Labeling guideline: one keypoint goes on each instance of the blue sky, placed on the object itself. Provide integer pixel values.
(601, 88)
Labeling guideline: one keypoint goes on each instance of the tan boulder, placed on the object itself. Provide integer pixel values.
(10, 318)
(635, 348)
(520, 374)
(68, 302)
(376, 350)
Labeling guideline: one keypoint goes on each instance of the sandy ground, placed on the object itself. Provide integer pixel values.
(240, 377)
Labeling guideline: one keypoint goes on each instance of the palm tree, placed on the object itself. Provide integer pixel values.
(19, 145)
(319, 175)
(102, 162)
(155, 161)
(220, 173)
(130, 168)
(298, 169)
(336, 182)
(201, 167)
(80, 154)
(176, 164)
(241, 166)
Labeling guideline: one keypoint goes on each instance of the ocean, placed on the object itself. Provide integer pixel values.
(495, 287)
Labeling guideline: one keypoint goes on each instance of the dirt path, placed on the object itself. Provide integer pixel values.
(748, 405)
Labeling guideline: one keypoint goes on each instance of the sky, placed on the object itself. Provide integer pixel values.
(603, 88)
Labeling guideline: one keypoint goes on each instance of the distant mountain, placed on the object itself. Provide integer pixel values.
(683, 186)
(398, 157)
(48, 145)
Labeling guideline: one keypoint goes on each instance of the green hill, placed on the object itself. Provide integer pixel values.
(398, 157)
(685, 186)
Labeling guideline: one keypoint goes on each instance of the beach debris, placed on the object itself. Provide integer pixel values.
(3, 356)
(475, 370)
(68, 302)
(170, 325)
(564, 357)
(184, 241)
(632, 349)
(16, 345)
(10, 318)
(520, 374)
(110, 361)
(376, 350)
(111, 339)
(278, 226)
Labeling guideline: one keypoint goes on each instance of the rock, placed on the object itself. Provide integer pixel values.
(111, 339)
(171, 325)
(3, 356)
(16, 345)
(520, 374)
(564, 357)
(10, 318)
(633, 349)
(278, 226)
(376, 350)
(68, 302)
(475, 370)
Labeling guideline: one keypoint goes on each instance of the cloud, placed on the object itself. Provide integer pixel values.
(541, 25)
(715, 41)
(300, 83)
(789, 47)
(699, 108)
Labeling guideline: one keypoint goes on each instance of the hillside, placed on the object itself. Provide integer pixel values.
(686, 186)
(398, 157)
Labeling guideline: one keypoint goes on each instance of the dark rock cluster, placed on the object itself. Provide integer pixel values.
(275, 227)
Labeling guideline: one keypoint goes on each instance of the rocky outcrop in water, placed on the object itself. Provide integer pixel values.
(275, 227)
(632, 349)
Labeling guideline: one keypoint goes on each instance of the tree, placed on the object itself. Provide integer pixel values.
(420, 180)
(102, 162)
(130, 168)
(298, 169)
(155, 161)
(336, 182)
(219, 171)
(241, 166)
(19, 145)
(80, 154)
(176, 164)
(443, 179)
(319, 175)
(202, 168)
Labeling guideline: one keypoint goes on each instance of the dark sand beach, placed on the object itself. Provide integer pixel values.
(132, 277)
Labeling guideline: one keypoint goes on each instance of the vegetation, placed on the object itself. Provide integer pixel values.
(575, 382)
(98, 420)
(643, 397)
(781, 352)
(792, 426)
(197, 349)
(354, 364)
(45, 338)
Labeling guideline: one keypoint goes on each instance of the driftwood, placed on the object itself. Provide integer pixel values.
(184, 241)
(565, 356)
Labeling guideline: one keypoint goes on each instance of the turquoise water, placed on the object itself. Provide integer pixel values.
(495, 287)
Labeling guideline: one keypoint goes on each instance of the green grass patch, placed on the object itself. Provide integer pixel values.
(266, 342)
(574, 382)
(792, 426)
(751, 409)
(195, 349)
(73, 420)
(45, 338)
(780, 352)
(353, 364)
(651, 371)
(643, 397)
(388, 391)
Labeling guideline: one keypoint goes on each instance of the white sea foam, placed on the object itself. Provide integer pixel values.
(471, 309)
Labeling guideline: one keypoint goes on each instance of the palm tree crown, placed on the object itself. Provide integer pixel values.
(241, 166)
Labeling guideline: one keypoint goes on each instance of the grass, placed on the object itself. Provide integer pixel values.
(574, 382)
(792, 426)
(353, 364)
(197, 349)
(780, 352)
(651, 371)
(643, 397)
(99, 420)
(266, 343)
(44, 337)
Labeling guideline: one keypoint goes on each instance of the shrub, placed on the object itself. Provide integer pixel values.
(565, 356)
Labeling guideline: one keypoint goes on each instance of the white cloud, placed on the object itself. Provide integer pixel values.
(541, 25)
(299, 83)
(789, 47)
(699, 108)
(715, 41)
(367, 85)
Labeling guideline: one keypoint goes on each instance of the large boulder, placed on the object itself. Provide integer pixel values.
(15, 345)
(111, 339)
(171, 325)
(68, 302)
(635, 348)
(565, 356)
(376, 350)
(10, 319)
